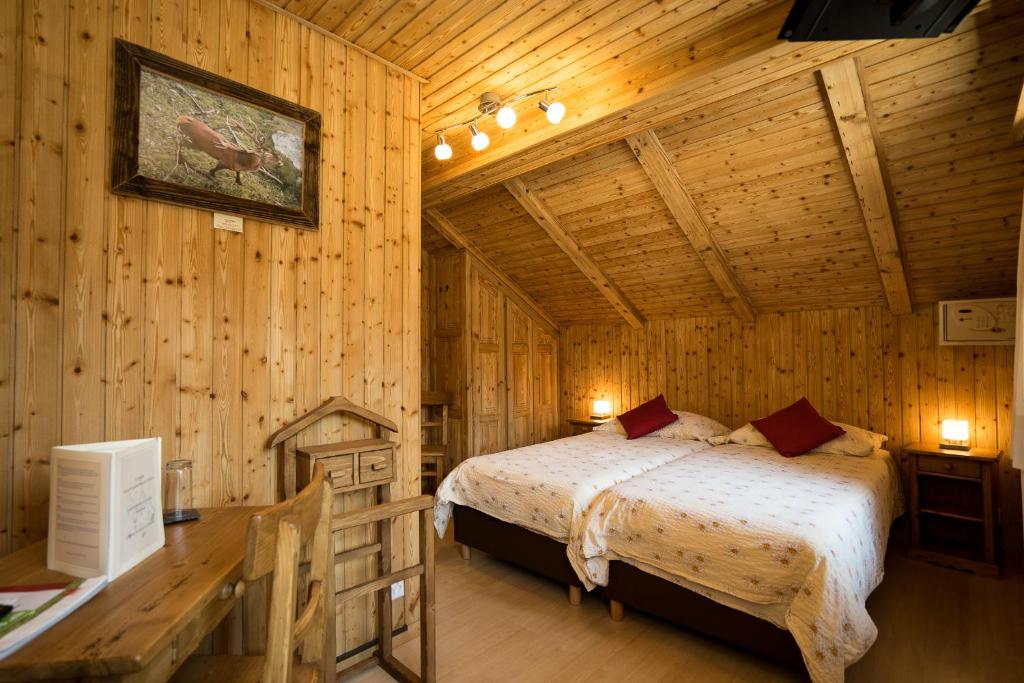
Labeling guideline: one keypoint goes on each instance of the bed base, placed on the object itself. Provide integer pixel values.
(516, 545)
(627, 586)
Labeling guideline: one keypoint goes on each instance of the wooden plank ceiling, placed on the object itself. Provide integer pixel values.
(746, 124)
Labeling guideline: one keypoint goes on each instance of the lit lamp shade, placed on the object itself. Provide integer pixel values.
(602, 409)
(953, 434)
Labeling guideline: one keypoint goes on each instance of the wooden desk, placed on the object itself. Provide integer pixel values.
(144, 624)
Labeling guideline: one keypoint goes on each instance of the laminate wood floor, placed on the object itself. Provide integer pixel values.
(499, 623)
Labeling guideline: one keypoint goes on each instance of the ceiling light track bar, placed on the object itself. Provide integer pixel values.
(492, 104)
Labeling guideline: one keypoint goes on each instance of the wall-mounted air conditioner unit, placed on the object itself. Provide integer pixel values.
(978, 322)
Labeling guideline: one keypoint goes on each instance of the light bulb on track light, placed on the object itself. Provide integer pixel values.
(443, 151)
(479, 139)
(554, 111)
(506, 117)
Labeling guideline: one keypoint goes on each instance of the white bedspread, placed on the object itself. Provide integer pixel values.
(800, 540)
(547, 487)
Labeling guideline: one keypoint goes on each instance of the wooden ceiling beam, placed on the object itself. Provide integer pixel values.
(1017, 129)
(698, 72)
(659, 168)
(849, 104)
(460, 241)
(549, 222)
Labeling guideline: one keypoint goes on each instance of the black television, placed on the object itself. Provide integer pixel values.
(818, 20)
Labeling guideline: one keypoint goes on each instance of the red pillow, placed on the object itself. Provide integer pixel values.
(647, 417)
(797, 429)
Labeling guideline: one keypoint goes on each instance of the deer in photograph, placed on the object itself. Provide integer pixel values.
(230, 156)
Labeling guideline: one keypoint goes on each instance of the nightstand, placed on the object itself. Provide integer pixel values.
(582, 425)
(953, 507)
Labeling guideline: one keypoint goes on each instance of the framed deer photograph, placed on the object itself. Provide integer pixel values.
(187, 136)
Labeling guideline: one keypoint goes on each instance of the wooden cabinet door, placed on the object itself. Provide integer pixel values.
(487, 363)
(519, 333)
(448, 346)
(545, 386)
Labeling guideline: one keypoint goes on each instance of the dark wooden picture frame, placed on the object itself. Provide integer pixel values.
(130, 59)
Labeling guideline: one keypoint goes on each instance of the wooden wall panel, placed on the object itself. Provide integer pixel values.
(9, 145)
(38, 257)
(862, 366)
(136, 318)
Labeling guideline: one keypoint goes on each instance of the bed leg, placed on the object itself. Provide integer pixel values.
(465, 551)
(615, 610)
(575, 595)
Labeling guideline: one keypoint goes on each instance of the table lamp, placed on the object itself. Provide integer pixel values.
(601, 409)
(953, 434)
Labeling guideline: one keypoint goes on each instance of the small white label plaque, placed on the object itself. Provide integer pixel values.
(224, 221)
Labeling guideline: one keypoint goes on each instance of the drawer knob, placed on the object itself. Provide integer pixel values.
(236, 590)
(378, 466)
(948, 466)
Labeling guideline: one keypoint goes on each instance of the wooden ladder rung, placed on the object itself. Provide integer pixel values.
(356, 553)
(348, 520)
(376, 585)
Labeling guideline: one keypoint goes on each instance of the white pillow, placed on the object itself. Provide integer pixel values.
(749, 435)
(856, 441)
(612, 425)
(877, 440)
(692, 427)
(689, 427)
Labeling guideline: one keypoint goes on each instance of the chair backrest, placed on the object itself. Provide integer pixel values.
(435, 398)
(295, 530)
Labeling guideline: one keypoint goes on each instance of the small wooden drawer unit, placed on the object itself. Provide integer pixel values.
(349, 466)
(953, 507)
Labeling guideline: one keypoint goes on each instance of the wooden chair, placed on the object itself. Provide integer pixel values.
(434, 411)
(279, 538)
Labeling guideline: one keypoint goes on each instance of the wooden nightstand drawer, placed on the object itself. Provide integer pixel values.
(376, 466)
(959, 468)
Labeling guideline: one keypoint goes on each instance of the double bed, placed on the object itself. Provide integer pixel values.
(777, 555)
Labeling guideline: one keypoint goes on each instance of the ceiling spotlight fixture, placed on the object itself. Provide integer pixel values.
(554, 111)
(506, 117)
(479, 139)
(489, 103)
(504, 113)
(443, 151)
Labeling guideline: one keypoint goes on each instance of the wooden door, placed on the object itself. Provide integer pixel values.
(519, 335)
(487, 363)
(545, 385)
